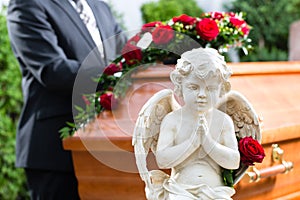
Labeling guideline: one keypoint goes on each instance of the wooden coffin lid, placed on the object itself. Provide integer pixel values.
(272, 88)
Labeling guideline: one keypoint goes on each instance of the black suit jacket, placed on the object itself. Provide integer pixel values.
(51, 42)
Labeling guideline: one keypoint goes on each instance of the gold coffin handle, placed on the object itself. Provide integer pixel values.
(255, 175)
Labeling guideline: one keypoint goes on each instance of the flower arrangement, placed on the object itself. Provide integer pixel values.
(218, 30)
(162, 41)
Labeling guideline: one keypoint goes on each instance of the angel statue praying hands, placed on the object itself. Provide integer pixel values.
(198, 139)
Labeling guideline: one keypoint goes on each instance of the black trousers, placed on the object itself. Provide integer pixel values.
(52, 185)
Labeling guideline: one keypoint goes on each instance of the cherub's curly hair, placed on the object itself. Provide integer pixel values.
(202, 61)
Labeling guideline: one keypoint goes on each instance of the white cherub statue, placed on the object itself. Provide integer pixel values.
(198, 139)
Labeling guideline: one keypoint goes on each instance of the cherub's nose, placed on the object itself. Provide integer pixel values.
(202, 94)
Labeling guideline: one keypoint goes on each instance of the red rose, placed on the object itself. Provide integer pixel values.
(246, 30)
(251, 151)
(112, 69)
(185, 19)
(207, 29)
(231, 14)
(236, 22)
(149, 26)
(108, 101)
(135, 39)
(217, 15)
(132, 54)
(163, 34)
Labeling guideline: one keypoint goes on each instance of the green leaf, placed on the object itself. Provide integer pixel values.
(227, 177)
(71, 124)
(79, 108)
(65, 132)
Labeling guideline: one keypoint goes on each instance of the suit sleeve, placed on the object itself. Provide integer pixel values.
(36, 46)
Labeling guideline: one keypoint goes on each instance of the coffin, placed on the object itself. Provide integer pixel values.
(103, 156)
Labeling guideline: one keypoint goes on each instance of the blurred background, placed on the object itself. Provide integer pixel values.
(270, 21)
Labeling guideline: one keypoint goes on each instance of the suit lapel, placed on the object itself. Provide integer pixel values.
(73, 15)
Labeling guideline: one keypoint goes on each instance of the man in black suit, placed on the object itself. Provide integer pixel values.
(51, 41)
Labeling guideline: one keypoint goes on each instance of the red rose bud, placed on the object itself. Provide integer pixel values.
(163, 34)
(251, 151)
(135, 39)
(207, 29)
(149, 26)
(86, 101)
(112, 69)
(231, 14)
(132, 54)
(185, 19)
(245, 30)
(217, 15)
(236, 22)
(108, 101)
(110, 88)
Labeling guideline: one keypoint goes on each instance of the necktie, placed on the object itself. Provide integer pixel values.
(82, 13)
(88, 18)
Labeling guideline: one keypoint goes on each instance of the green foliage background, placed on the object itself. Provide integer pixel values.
(12, 180)
(166, 9)
(270, 21)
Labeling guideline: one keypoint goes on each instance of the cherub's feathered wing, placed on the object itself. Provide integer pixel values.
(147, 128)
(245, 119)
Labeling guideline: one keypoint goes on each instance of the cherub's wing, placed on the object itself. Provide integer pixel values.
(147, 128)
(245, 119)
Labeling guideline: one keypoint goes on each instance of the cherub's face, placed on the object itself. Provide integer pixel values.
(200, 94)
